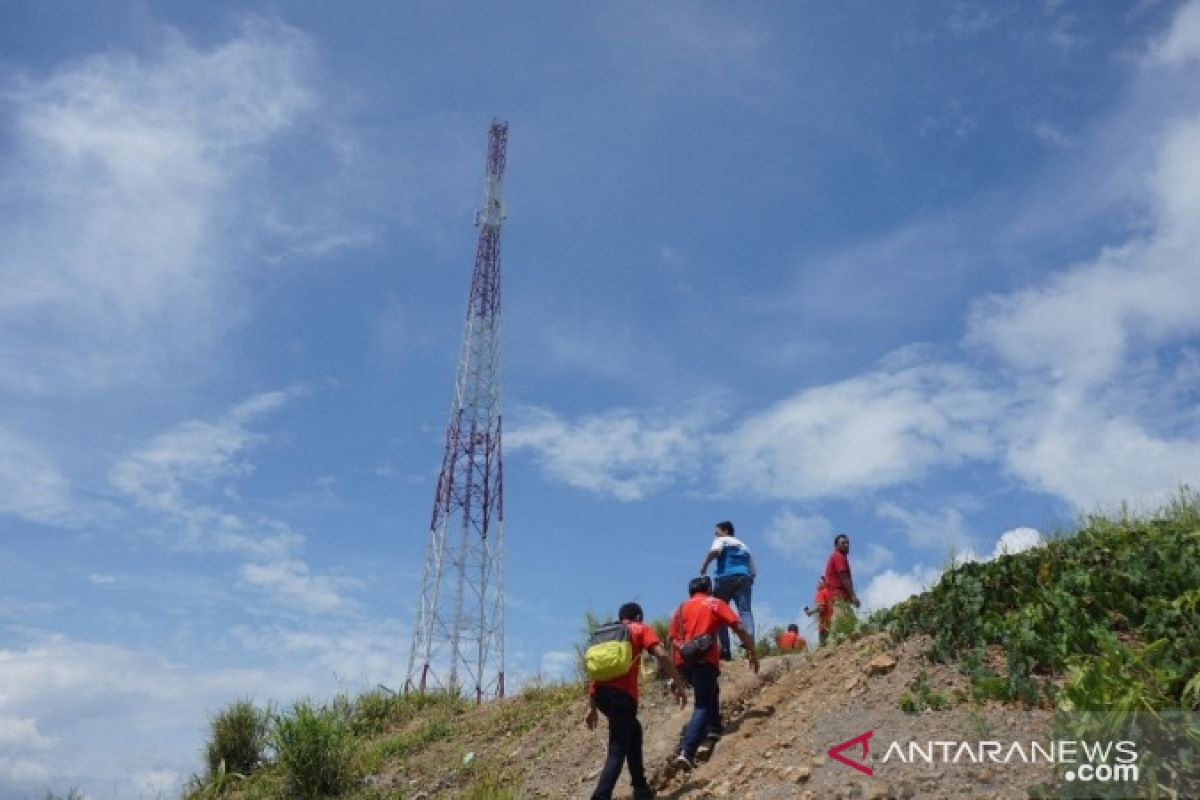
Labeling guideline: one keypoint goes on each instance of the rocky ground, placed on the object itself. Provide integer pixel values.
(782, 722)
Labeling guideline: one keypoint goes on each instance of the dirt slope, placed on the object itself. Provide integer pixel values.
(781, 723)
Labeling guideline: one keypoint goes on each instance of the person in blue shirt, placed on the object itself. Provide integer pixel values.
(734, 578)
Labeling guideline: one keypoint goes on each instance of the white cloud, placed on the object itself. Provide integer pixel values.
(130, 189)
(890, 587)
(132, 721)
(799, 538)
(1181, 44)
(156, 782)
(22, 733)
(291, 582)
(1096, 458)
(870, 558)
(1079, 327)
(1051, 135)
(193, 453)
(1091, 426)
(616, 454)
(31, 486)
(102, 580)
(356, 655)
(883, 428)
(943, 530)
(196, 453)
(166, 474)
(558, 665)
(1017, 540)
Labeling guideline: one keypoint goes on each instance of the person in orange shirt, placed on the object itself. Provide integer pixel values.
(617, 699)
(824, 607)
(694, 627)
(791, 639)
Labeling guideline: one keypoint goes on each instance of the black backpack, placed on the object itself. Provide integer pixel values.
(693, 651)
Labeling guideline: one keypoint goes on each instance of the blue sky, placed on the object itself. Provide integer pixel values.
(924, 274)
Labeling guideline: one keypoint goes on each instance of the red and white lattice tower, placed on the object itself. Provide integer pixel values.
(458, 642)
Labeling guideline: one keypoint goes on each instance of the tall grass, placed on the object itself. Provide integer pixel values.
(237, 739)
(314, 750)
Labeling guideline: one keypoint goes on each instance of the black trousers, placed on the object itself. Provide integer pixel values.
(624, 741)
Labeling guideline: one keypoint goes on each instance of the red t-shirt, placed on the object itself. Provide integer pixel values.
(789, 640)
(642, 637)
(701, 614)
(834, 567)
(825, 603)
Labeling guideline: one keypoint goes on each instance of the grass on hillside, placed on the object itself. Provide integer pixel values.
(334, 749)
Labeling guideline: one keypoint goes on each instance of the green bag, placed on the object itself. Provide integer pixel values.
(609, 652)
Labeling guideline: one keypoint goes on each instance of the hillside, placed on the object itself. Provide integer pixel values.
(1013, 650)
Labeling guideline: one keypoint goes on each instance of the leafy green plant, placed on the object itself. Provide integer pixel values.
(844, 624)
(237, 739)
(920, 695)
(314, 750)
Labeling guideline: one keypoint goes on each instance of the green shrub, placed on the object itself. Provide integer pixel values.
(237, 739)
(920, 695)
(314, 750)
(844, 624)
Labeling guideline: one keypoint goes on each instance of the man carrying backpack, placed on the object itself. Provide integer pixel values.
(694, 648)
(734, 577)
(618, 648)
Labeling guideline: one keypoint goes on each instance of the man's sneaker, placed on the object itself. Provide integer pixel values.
(644, 794)
(685, 761)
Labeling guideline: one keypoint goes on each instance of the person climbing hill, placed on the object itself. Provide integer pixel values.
(733, 578)
(693, 632)
(617, 699)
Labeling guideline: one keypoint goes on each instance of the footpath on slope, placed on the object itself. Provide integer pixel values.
(781, 723)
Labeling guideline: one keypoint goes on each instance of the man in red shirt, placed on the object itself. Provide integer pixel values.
(824, 607)
(838, 582)
(617, 699)
(791, 639)
(701, 615)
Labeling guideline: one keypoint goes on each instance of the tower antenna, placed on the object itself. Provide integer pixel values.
(458, 641)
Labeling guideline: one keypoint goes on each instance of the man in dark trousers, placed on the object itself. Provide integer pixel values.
(700, 616)
(734, 578)
(617, 699)
(838, 582)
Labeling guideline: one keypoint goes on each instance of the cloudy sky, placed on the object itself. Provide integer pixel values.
(925, 274)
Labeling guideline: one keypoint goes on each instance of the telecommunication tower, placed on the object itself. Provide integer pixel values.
(458, 642)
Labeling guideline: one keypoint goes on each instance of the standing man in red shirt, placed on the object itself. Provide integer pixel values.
(696, 618)
(838, 582)
(617, 699)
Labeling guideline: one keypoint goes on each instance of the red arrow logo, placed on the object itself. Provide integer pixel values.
(835, 752)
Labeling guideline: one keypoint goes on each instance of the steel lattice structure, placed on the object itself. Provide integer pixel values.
(458, 642)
